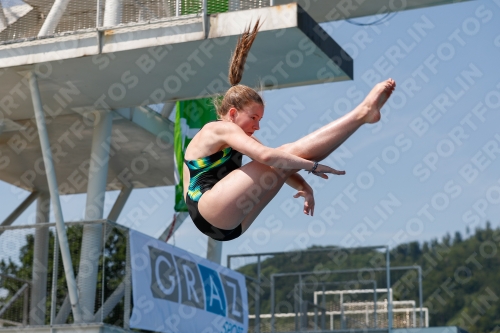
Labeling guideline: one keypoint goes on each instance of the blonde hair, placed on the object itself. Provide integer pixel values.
(238, 96)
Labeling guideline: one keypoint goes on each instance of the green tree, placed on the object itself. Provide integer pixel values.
(114, 271)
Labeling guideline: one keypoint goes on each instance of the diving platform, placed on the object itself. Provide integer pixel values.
(125, 68)
(131, 63)
(335, 10)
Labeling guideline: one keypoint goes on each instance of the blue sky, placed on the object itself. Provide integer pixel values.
(430, 167)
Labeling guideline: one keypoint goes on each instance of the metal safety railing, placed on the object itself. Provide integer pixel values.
(17, 305)
(332, 299)
(278, 321)
(33, 288)
(22, 20)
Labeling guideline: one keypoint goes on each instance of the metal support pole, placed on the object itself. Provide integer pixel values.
(168, 108)
(54, 195)
(111, 302)
(3, 20)
(107, 231)
(342, 324)
(14, 298)
(296, 307)
(323, 305)
(166, 8)
(414, 316)
(142, 14)
(315, 317)
(375, 300)
(300, 303)
(177, 7)
(389, 294)
(204, 14)
(323, 319)
(98, 14)
(92, 233)
(119, 203)
(55, 269)
(112, 13)
(179, 219)
(19, 210)
(128, 287)
(40, 263)
(56, 12)
(272, 304)
(214, 250)
(420, 295)
(257, 298)
(366, 316)
(26, 306)
(304, 319)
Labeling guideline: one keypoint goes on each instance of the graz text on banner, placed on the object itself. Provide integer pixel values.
(177, 291)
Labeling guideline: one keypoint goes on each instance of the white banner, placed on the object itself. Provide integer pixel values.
(177, 291)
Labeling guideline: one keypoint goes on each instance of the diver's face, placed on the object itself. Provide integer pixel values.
(249, 117)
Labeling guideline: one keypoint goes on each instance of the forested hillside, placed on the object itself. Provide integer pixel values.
(461, 276)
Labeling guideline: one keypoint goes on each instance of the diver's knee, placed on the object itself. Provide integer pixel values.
(287, 147)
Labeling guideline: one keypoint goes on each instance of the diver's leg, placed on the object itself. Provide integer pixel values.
(257, 209)
(241, 195)
(317, 145)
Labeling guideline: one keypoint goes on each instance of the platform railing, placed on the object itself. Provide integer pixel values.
(18, 270)
(26, 20)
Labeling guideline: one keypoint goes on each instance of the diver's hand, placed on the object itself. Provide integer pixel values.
(308, 200)
(322, 171)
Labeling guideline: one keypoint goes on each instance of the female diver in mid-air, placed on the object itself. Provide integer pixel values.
(223, 197)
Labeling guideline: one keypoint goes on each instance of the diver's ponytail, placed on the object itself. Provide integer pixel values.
(239, 95)
(240, 54)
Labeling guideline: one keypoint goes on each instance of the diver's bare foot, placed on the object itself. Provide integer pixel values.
(376, 99)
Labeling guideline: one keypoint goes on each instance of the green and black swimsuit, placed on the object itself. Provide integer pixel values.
(205, 172)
